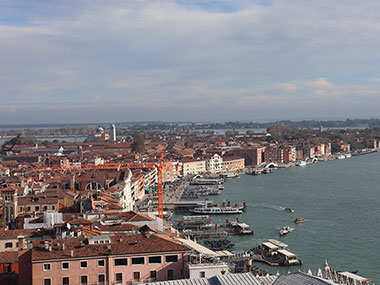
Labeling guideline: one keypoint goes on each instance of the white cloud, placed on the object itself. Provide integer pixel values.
(164, 55)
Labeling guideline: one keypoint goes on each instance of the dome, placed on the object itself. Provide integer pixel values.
(99, 129)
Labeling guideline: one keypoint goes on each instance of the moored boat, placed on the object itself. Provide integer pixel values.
(301, 163)
(217, 210)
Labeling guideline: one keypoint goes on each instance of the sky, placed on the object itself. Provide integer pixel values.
(87, 61)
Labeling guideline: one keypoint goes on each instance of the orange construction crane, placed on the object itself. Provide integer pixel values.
(118, 166)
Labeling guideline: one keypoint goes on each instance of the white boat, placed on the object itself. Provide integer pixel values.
(301, 163)
(342, 156)
(285, 230)
(348, 155)
(216, 210)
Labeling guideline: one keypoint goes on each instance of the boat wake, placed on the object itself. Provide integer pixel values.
(273, 207)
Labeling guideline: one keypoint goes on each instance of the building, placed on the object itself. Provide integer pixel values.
(193, 166)
(233, 163)
(106, 259)
(214, 163)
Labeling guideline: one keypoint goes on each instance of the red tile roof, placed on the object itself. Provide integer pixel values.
(120, 244)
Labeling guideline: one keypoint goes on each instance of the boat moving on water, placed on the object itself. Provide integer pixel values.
(285, 230)
(299, 220)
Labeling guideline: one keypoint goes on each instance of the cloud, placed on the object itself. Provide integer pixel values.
(177, 56)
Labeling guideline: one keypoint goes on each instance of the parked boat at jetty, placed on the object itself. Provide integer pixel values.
(217, 210)
(301, 163)
(207, 181)
(275, 253)
(241, 228)
(220, 244)
(342, 156)
(299, 220)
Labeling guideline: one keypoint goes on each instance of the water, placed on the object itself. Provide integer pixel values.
(50, 139)
(240, 131)
(339, 200)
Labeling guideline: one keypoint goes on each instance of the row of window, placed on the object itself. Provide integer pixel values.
(83, 280)
(118, 278)
(118, 262)
(36, 208)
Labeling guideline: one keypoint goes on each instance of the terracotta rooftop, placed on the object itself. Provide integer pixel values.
(120, 244)
(9, 257)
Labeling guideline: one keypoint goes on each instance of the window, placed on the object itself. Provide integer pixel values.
(181, 272)
(83, 280)
(21, 209)
(65, 280)
(170, 274)
(119, 277)
(121, 261)
(154, 259)
(28, 208)
(8, 245)
(100, 262)
(138, 260)
(47, 267)
(83, 264)
(202, 274)
(171, 258)
(153, 276)
(47, 281)
(101, 279)
(65, 265)
(45, 208)
(37, 208)
(8, 268)
(136, 276)
(53, 207)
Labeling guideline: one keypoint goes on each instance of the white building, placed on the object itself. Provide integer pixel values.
(214, 164)
(193, 166)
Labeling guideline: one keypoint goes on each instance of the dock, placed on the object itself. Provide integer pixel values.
(207, 235)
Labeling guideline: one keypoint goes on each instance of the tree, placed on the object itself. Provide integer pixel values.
(138, 144)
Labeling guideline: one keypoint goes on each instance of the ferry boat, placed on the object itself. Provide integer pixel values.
(216, 210)
(299, 220)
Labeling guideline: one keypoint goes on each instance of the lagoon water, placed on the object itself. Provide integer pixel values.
(339, 200)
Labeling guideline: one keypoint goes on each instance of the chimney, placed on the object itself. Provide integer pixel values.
(63, 246)
(20, 242)
(72, 253)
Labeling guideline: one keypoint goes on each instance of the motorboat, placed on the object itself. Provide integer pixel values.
(289, 210)
(299, 220)
(301, 163)
(285, 230)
